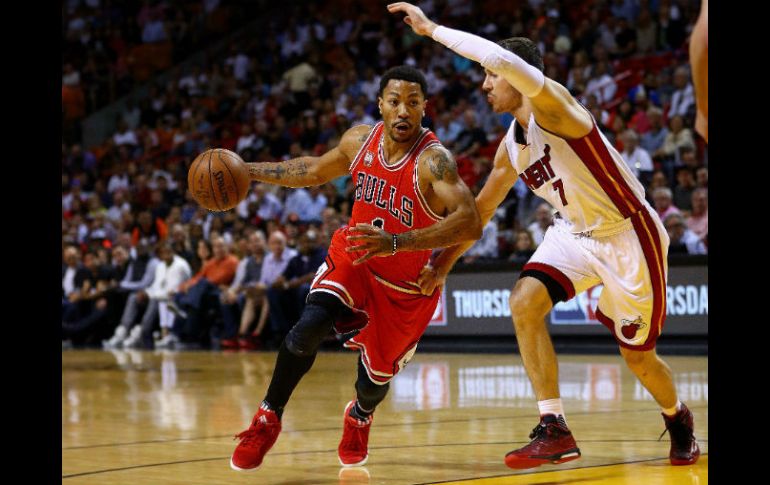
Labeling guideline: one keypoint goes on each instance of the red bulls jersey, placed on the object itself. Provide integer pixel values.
(388, 196)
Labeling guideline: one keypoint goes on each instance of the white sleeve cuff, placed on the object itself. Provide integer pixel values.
(527, 79)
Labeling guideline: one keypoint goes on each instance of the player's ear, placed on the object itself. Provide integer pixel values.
(379, 104)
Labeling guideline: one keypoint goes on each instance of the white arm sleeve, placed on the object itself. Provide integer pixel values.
(528, 80)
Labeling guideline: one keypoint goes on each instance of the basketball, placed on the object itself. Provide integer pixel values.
(218, 179)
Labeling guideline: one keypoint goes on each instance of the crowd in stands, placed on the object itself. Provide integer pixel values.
(112, 46)
(144, 265)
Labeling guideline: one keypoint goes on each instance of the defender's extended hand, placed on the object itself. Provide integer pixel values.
(415, 18)
(372, 240)
(430, 279)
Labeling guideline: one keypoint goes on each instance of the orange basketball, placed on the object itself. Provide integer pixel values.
(218, 179)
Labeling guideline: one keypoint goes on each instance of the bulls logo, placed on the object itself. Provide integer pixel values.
(630, 327)
(368, 159)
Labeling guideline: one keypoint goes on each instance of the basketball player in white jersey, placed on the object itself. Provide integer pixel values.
(604, 232)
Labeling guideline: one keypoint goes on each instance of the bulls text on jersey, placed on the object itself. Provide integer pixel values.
(371, 190)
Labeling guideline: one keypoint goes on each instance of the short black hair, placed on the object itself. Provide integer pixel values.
(526, 49)
(404, 73)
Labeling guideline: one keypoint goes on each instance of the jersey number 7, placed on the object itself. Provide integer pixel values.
(558, 185)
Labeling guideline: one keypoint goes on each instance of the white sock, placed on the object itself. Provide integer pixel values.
(672, 411)
(551, 406)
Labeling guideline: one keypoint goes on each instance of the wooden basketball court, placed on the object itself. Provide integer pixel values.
(132, 417)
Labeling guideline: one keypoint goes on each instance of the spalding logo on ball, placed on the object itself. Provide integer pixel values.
(218, 179)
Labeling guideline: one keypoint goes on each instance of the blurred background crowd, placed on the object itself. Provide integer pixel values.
(143, 266)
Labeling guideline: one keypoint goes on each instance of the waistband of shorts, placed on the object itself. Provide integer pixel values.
(606, 230)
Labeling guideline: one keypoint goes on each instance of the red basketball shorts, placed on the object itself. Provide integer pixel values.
(391, 318)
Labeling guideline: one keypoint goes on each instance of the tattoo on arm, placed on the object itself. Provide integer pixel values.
(442, 165)
(292, 171)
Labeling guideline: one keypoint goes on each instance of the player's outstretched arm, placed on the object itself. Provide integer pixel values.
(461, 221)
(500, 180)
(554, 107)
(309, 171)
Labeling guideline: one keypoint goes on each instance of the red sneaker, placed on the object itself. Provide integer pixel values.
(256, 441)
(229, 343)
(552, 443)
(354, 447)
(249, 343)
(684, 447)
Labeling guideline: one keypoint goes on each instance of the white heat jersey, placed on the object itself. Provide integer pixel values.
(585, 179)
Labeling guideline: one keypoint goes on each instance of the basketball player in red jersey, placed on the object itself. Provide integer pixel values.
(604, 232)
(408, 200)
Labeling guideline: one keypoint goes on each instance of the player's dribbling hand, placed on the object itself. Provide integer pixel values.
(430, 279)
(415, 18)
(372, 240)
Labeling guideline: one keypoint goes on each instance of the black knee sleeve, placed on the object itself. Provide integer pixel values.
(331, 303)
(368, 393)
(314, 324)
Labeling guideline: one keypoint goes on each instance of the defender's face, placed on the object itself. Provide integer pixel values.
(402, 105)
(500, 94)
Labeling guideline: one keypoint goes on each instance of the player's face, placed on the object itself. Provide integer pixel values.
(500, 94)
(402, 105)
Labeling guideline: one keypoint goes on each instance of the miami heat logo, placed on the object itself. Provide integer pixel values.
(368, 158)
(630, 327)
